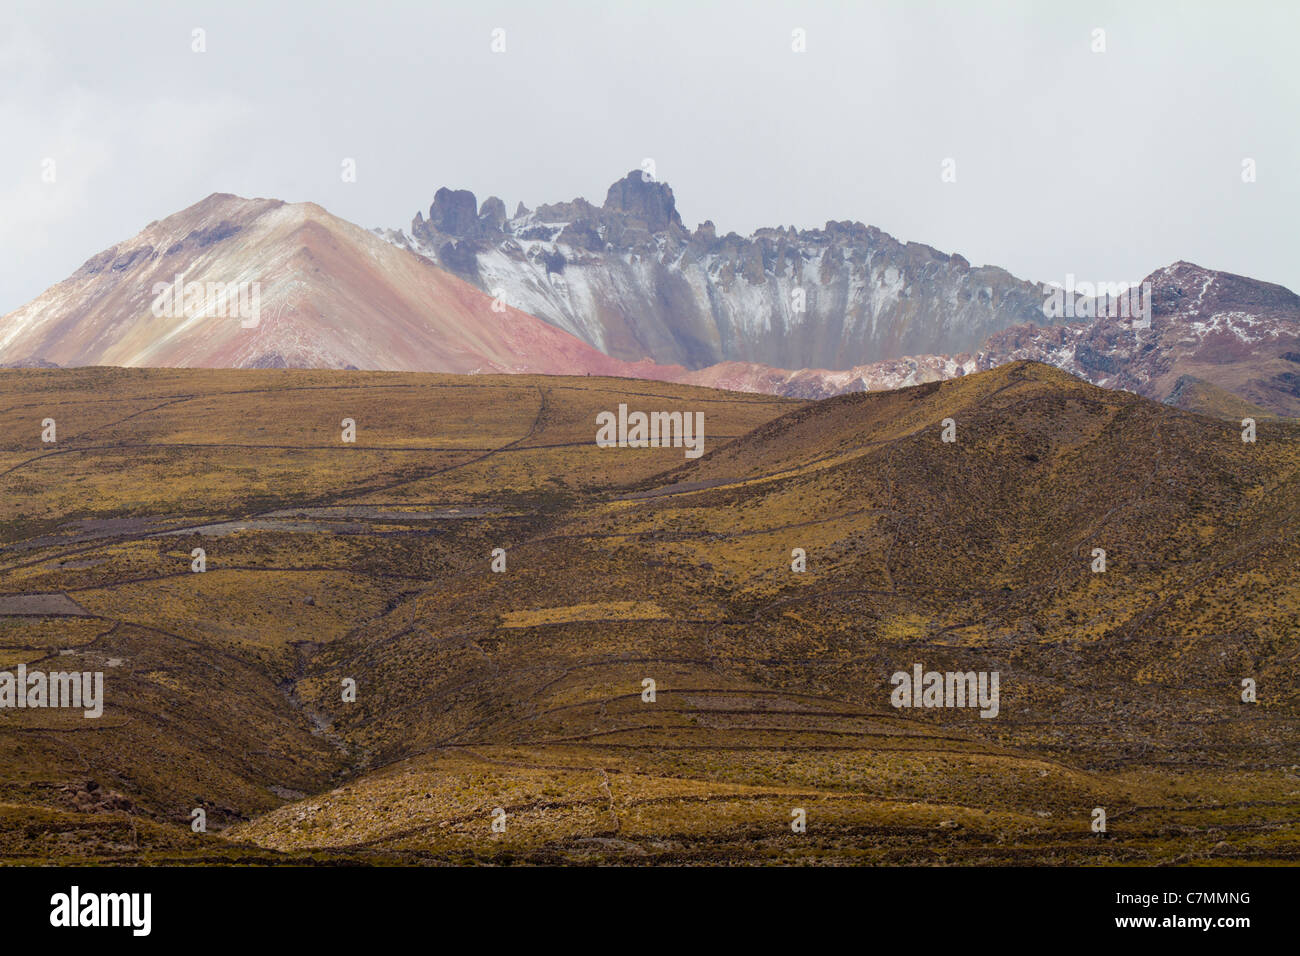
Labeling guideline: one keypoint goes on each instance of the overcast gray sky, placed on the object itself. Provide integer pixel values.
(1107, 165)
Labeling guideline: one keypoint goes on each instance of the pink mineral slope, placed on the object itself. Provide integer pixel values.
(331, 295)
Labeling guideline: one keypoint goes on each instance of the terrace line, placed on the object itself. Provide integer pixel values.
(59, 689)
(951, 689)
(652, 430)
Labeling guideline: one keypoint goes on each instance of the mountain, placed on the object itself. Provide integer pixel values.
(1220, 344)
(327, 294)
(629, 278)
(524, 689)
(624, 289)
(1238, 336)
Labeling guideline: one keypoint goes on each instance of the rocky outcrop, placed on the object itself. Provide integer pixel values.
(644, 200)
(630, 279)
(1229, 331)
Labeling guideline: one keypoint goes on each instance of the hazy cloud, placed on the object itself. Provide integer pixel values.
(1107, 165)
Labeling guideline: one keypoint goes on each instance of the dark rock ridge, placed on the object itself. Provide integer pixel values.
(629, 278)
(1237, 334)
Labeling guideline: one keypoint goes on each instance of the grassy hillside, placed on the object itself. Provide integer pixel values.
(370, 561)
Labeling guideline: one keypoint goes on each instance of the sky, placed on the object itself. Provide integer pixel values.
(994, 130)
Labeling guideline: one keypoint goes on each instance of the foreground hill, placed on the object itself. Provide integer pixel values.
(524, 690)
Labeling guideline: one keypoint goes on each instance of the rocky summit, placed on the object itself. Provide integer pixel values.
(1217, 342)
(629, 278)
(817, 312)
